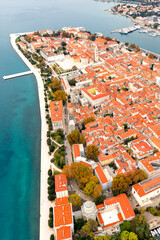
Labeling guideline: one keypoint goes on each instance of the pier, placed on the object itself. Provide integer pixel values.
(127, 29)
(17, 75)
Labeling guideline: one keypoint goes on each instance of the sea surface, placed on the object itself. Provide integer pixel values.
(19, 105)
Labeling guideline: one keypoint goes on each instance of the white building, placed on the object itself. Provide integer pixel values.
(146, 190)
(102, 177)
(61, 186)
(89, 210)
(56, 111)
(78, 152)
(114, 211)
(51, 56)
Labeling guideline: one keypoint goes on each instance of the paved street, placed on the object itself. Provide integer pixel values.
(66, 143)
(75, 188)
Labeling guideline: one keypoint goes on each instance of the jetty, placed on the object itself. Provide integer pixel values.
(17, 75)
(127, 29)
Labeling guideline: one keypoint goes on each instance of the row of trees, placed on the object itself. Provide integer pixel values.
(121, 183)
(50, 221)
(51, 187)
(59, 157)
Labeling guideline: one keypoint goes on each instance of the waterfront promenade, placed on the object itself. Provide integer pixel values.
(45, 204)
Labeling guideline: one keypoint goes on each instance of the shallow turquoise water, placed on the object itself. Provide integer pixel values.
(19, 106)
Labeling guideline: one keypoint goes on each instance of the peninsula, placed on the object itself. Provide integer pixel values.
(100, 128)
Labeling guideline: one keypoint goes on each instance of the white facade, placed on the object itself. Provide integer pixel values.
(57, 125)
(145, 195)
(93, 102)
(89, 210)
(62, 194)
(52, 58)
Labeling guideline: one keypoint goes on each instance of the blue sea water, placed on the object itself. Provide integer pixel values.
(19, 105)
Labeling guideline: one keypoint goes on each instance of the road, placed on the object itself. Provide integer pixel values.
(66, 143)
(75, 188)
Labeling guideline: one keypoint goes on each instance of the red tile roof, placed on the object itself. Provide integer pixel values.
(60, 183)
(101, 174)
(56, 109)
(124, 203)
(61, 201)
(63, 215)
(76, 150)
(64, 233)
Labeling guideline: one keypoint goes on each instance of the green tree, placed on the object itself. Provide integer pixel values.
(49, 172)
(92, 151)
(50, 223)
(141, 228)
(155, 25)
(133, 236)
(125, 235)
(79, 224)
(86, 231)
(63, 43)
(116, 236)
(52, 237)
(93, 224)
(75, 200)
(126, 226)
(103, 238)
(49, 142)
(99, 199)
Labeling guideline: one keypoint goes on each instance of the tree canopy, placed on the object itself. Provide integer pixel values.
(55, 84)
(88, 119)
(97, 191)
(121, 183)
(75, 200)
(92, 151)
(60, 95)
(75, 137)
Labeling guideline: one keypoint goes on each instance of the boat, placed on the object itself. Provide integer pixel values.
(152, 233)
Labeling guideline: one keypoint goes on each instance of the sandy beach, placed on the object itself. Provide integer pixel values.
(45, 204)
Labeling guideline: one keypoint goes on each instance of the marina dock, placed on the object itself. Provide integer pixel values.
(17, 75)
(127, 29)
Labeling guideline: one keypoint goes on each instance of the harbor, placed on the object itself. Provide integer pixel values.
(141, 29)
(127, 29)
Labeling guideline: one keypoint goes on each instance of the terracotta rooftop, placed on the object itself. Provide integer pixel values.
(60, 183)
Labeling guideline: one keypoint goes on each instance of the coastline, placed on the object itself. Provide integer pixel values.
(134, 21)
(45, 204)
